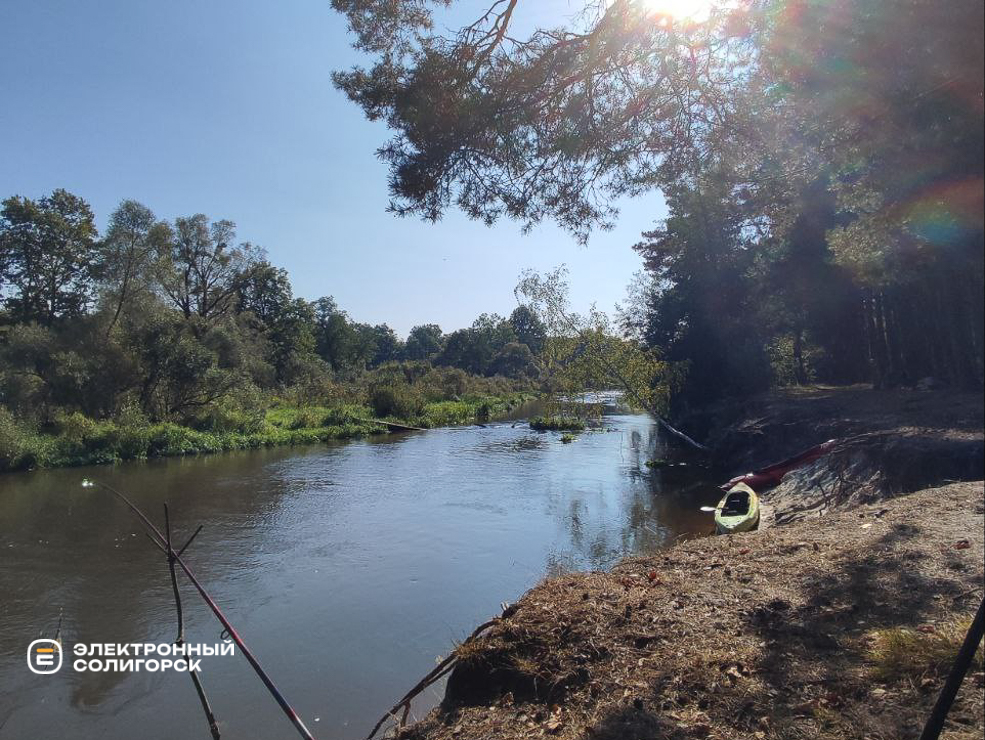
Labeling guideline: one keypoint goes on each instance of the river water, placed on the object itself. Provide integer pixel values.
(347, 568)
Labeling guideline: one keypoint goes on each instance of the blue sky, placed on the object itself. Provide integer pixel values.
(227, 108)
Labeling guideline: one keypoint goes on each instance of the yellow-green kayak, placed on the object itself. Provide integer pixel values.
(738, 511)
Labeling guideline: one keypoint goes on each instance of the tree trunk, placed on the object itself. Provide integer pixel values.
(798, 356)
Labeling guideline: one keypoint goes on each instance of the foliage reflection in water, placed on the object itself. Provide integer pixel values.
(347, 568)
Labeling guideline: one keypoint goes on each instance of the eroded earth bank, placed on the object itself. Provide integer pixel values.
(838, 619)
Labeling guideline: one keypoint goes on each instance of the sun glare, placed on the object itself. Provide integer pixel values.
(696, 10)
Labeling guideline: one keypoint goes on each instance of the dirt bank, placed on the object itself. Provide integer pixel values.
(762, 429)
(834, 626)
(893, 443)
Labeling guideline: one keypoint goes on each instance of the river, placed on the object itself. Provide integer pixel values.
(347, 568)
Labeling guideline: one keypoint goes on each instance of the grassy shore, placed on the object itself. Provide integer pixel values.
(557, 424)
(78, 440)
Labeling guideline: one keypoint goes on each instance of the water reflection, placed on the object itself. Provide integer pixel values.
(347, 568)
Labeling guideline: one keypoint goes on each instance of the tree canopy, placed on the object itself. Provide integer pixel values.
(821, 162)
(47, 255)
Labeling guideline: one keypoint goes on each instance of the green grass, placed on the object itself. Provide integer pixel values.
(78, 440)
(557, 424)
(288, 417)
(468, 410)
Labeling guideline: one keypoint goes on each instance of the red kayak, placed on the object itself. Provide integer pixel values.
(770, 476)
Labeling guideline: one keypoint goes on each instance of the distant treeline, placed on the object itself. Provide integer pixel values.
(177, 322)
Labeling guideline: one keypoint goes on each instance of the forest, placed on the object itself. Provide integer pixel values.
(821, 164)
(163, 337)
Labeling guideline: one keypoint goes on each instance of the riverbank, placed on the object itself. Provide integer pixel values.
(839, 620)
(79, 440)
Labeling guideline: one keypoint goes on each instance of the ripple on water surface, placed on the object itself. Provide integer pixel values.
(346, 567)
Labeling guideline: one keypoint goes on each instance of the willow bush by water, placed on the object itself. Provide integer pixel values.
(16, 445)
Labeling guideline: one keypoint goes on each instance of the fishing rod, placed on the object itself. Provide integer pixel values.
(164, 543)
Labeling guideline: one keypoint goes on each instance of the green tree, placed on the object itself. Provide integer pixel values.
(423, 342)
(703, 314)
(200, 269)
(68, 367)
(457, 350)
(514, 360)
(133, 240)
(362, 346)
(48, 256)
(473, 349)
(338, 341)
(388, 345)
(264, 291)
(292, 335)
(528, 328)
(287, 323)
(847, 135)
(179, 375)
(546, 124)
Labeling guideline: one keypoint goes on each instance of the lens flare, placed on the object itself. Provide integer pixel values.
(695, 10)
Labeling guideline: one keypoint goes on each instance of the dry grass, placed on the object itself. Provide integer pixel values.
(468, 651)
(901, 653)
(761, 635)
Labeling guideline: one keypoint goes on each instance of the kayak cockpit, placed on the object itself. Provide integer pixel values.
(736, 504)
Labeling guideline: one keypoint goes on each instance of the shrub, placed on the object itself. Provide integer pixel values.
(314, 390)
(446, 383)
(483, 411)
(14, 444)
(84, 441)
(396, 399)
(444, 413)
(307, 418)
(344, 414)
(557, 424)
(170, 439)
(515, 360)
(233, 416)
(76, 428)
(131, 433)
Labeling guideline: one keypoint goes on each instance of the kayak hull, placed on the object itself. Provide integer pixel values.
(728, 520)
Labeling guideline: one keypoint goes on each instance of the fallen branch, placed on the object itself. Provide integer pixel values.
(631, 389)
(551, 293)
(392, 424)
(436, 674)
